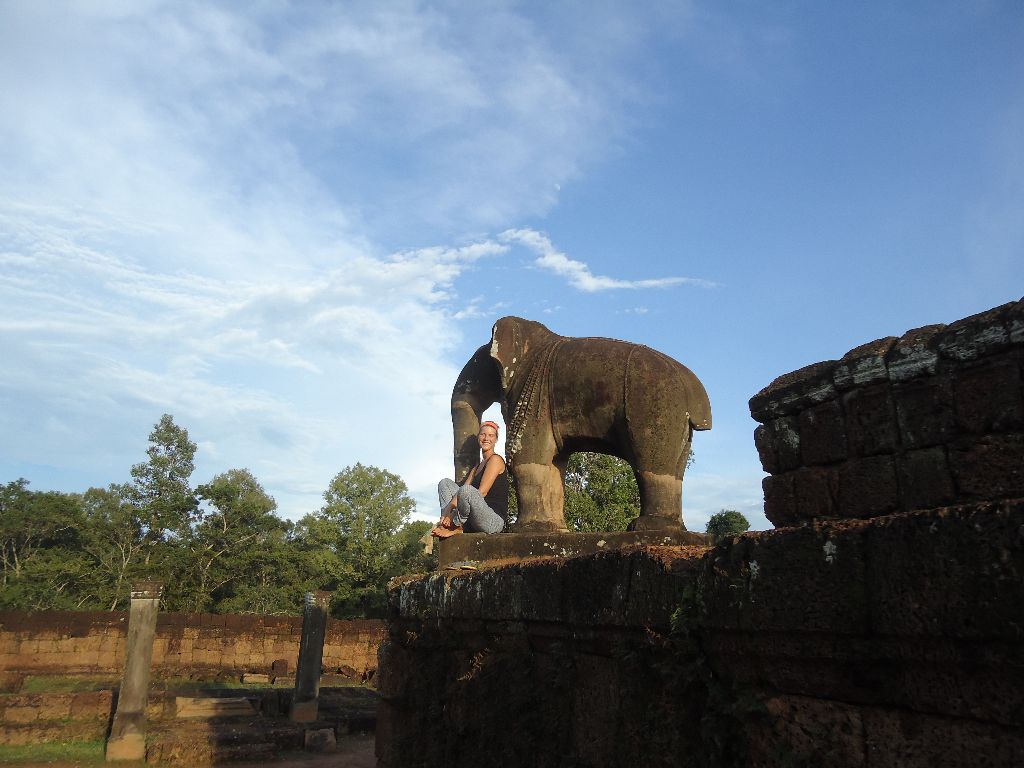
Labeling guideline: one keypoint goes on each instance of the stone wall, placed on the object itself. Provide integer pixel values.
(39, 718)
(70, 642)
(892, 641)
(933, 418)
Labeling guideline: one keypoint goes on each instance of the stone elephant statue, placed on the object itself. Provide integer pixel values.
(560, 395)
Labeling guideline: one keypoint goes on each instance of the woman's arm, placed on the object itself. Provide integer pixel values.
(494, 467)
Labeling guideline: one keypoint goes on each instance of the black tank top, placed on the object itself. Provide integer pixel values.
(497, 497)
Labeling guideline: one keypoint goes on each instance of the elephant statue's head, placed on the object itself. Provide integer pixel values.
(485, 380)
(477, 388)
(513, 341)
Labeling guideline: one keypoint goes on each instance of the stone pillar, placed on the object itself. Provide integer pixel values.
(128, 733)
(305, 702)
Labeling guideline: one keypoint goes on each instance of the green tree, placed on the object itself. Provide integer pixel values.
(726, 523)
(160, 488)
(40, 549)
(235, 521)
(272, 578)
(600, 493)
(113, 539)
(32, 522)
(409, 554)
(355, 533)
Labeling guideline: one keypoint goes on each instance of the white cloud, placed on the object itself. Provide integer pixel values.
(295, 378)
(197, 213)
(578, 273)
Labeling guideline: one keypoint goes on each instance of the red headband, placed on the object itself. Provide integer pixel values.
(491, 424)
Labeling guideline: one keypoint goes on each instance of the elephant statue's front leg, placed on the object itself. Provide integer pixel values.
(541, 498)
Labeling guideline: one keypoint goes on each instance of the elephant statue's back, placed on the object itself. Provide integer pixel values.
(621, 395)
(591, 398)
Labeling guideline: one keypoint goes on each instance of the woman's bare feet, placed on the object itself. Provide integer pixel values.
(442, 532)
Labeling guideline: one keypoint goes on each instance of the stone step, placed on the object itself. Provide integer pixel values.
(42, 732)
(352, 710)
(207, 742)
(205, 707)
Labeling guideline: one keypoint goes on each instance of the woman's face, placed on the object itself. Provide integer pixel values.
(487, 437)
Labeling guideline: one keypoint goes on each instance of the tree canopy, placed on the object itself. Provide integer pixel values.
(218, 547)
(726, 523)
(601, 493)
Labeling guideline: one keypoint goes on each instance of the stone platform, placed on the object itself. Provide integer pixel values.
(481, 547)
(892, 641)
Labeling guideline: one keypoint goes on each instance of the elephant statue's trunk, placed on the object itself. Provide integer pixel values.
(477, 387)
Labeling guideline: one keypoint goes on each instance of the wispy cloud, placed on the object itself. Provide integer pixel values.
(295, 378)
(216, 212)
(577, 273)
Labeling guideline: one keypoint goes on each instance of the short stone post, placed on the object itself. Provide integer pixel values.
(305, 702)
(128, 733)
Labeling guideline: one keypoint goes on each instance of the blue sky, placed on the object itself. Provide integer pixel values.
(289, 224)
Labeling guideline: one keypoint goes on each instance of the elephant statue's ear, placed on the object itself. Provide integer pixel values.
(505, 343)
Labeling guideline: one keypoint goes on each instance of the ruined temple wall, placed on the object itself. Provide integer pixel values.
(891, 641)
(70, 642)
(930, 419)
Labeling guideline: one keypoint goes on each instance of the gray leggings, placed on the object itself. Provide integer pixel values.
(471, 512)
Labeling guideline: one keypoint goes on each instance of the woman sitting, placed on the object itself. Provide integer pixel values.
(480, 504)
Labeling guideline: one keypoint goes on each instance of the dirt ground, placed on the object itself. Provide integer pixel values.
(353, 752)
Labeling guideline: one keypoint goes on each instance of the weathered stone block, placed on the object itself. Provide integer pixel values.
(950, 573)
(914, 354)
(766, 449)
(780, 500)
(975, 336)
(908, 739)
(864, 365)
(822, 434)
(27, 714)
(989, 397)
(595, 709)
(925, 479)
(1015, 322)
(992, 468)
(800, 730)
(320, 740)
(787, 581)
(793, 392)
(778, 444)
(867, 487)
(924, 409)
(199, 707)
(816, 490)
(871, 421)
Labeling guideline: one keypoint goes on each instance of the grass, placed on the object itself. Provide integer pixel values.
(66, 684)
(77, 683)
(66, 752)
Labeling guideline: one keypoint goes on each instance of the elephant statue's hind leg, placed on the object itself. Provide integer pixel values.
(661, 502)
(541, 498)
